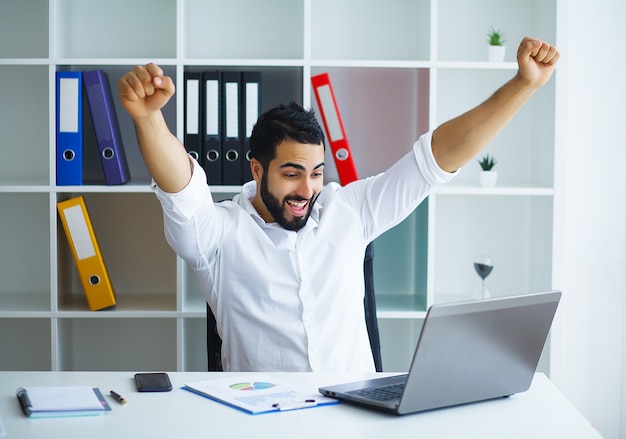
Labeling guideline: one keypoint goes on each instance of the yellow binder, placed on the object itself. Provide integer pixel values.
(91, 269)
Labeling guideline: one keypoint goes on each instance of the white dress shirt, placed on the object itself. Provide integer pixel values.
(293, 301)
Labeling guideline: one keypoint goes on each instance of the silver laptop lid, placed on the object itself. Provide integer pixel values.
(478, 350)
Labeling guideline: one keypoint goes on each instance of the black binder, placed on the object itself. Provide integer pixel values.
(193, 113)
(231, 132)
(250, 111)
(211, 159)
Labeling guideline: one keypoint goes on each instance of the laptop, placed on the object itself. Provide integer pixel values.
(467, 352)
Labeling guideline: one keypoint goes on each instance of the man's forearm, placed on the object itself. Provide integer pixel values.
(164, 155)
(460, 139)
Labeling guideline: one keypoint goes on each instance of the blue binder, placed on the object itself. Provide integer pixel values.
(106, 126)
(69, 128)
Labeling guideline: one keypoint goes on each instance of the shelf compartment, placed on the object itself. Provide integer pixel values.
(524, 149)
(377, 30)
(24, 125)
(398, 339)
(193, 297)
(462, 26)
(25, 29)
(115, 29)
(117, 344)
(93, 173)
(129, 230)
(400, 265)
(194, 348)
(514, 231)
(25, 250)
(378, 136)
(214, 29)
(25, 344)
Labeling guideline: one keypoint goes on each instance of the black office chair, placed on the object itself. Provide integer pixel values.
(214, 342)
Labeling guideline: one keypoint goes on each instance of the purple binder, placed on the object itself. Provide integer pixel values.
(106, 127)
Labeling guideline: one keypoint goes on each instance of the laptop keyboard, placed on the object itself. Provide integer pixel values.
(384, 393)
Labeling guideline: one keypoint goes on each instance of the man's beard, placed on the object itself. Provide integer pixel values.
(277, 209)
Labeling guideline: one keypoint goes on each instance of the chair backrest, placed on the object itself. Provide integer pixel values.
(214, 342)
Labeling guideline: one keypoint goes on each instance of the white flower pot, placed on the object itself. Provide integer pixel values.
(496, 53)
(488, 178)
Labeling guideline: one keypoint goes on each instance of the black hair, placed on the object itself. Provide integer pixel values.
(279, 124)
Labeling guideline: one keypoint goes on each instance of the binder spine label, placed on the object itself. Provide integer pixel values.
(328, 107)
(232, 109)
(252, 107)
(334, 128)
(192, 125)
(79, 232)
(69, 89)
(212, 107)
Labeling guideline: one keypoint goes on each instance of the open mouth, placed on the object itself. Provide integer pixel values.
(297, 207)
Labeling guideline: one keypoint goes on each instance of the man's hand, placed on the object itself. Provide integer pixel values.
(144, 90)
(536, 60)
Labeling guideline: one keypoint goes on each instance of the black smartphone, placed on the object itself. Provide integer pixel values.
(153, 382)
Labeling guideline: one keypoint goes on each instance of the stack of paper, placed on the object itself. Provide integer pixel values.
(50, 401)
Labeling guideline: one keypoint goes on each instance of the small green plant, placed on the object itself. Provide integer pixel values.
(495, 37)
(487, 162)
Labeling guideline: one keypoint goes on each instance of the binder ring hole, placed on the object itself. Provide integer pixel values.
(108, 153)
(232, 155)
(69, 155)
(212, 155)
(194, 154)
(342, 154)
(94, 280)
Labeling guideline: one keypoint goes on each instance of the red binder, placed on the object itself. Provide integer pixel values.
(333, 124)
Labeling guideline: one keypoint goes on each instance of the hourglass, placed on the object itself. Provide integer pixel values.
(483, 266)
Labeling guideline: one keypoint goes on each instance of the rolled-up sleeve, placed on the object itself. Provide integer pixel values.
(433, 174)
(391, 196)
(182, 205)
(188, 217)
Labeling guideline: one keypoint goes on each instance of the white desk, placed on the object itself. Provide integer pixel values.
(542, 412)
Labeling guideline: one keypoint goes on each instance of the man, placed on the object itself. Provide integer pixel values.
(281, 265)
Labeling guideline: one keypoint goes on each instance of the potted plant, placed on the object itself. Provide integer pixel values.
(496, 41)
(488, 176)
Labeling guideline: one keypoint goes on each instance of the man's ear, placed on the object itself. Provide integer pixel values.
(256, 169)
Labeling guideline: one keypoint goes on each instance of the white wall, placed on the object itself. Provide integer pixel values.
(588, 358)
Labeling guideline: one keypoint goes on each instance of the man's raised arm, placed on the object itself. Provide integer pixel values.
(459, 140)
(144, 91)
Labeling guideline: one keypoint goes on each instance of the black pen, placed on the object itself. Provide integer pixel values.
(118, 397)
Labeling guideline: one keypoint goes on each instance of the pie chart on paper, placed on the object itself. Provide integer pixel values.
(257, 385)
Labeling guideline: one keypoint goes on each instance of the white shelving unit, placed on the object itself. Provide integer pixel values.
(398, 68)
